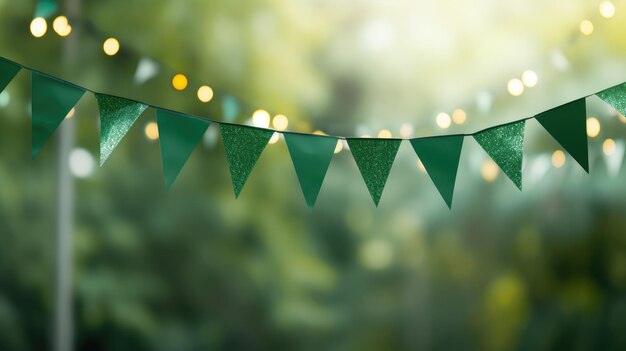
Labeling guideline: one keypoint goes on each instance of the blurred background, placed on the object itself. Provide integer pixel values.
(196, 269)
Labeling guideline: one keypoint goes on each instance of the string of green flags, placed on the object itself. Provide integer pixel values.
(311, 154)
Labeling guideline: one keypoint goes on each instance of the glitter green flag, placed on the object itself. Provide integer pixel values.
(616, 97)
(505, 145)
(243, 146)
(8, 70)
(374, 157)
(117, 115)
(52, 101)
(178, 136)
(440, 157)
(311, 156)
(568, 125)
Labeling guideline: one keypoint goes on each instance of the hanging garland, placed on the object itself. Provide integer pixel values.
(53, 98)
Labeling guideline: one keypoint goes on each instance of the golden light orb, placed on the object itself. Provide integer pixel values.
(280, 122)
(261, 119)
(558, 159)
(111, 46)
(38, 27)
(205, 93)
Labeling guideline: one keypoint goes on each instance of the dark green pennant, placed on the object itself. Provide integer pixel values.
(52, 101)
(568, 125)
(440, 156)
(117, 115)
(505, 145)
(616, 97)
(311, 156)
(178, 136)
(243, 146)
(8, 70)
(374, 157)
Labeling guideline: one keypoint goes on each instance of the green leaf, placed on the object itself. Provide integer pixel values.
(505, 145)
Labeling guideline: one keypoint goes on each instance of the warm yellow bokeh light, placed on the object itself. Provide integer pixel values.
(71, 113)
(261, 119)
(406, 130)
(443, 120)
(61, 26)
(558, 159)
(489, 171)
(515, 87)
(179, 82)
(319, 132)
(621, 117)
(111, 46)
(280, 122)
(608, 147)
(593, 127)
(152, 131)
(205, 93)
(339, 146)
(38, 27)
(607, 9)
(586, 27)
(384, 134)
(420, 166)
(459, 116)
(530, 78)
(274, 138)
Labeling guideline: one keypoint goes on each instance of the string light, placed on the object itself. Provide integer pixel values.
(607, 9)
(280, 122)
(274, 138)
(179, 82)
(339, 146)
(384, 133)
(515, 87)
(61, 26)
(205, 93)
(443, 120)
(152, 131)
(71, 113)
(529, 78)
(489, 171)
(593, 127)
(558, 159)
(459, 116)
(609, 147)
(261, 119)
(111, 46)
(406, 130)
(586, 27)
(38, 27)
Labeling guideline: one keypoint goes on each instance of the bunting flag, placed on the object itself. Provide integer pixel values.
(117, 115)
(568, 125)
(374, 157)
(440, 157)
(505, 144)
(178, 136)
(45, 8)
(311, 156)
(616, 97)
(52, 101)
(243, 146)
(8, 70)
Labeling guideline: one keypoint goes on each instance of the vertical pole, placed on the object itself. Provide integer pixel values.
(63, 324)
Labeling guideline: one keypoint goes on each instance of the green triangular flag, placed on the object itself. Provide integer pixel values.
(52, 101)
(311, 156)
(440, 156)
(117, 115)
(243, 145)
(616, 97)
(178, 136)
(374, 157)
(568, 125)
(505, 145)
(8, 70)
(45, 8)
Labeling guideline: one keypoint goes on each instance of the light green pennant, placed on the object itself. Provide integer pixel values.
(440, 157)
(568, 125)
(52, 101)
(117, 115)
(243, 146)
(178, 136)
(374, 157)
(616, 97)
(8, 70)
(311, 156)
(505, 145)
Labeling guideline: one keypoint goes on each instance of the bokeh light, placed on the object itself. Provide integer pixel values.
(81, 163)
(406, 130)
(61, 26)
(607, 9)
(261, 119)
(530, 78)
(443, 120)
(111, 46)
(71, 113)
(280, 122)
(489, 170)
(38, 27)
(152, 131)
(593, 127)
(459, 116)
(515, 87)
(384, 134)
(609, 147)
(558, 159)
(586, 27)
(205, 93)
(339, 146)
(274, 138)
(179, 82)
